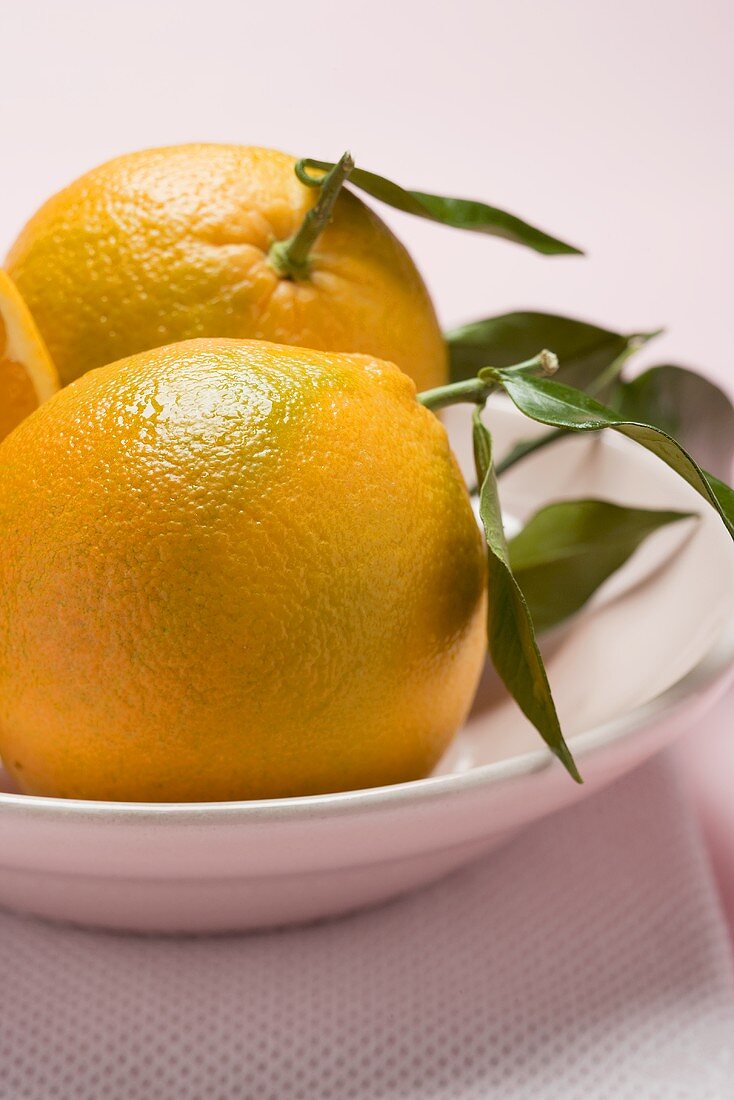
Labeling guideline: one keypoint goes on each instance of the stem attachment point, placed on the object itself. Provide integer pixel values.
(290, 258)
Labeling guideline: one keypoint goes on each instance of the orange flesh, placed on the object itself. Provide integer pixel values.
(17, 396)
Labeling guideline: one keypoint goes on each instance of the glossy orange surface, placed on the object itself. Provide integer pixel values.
(234, 570)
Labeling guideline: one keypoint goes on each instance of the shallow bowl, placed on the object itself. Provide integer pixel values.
(641, 662)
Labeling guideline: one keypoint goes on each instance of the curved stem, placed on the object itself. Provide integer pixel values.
(545, 361)
(291, 258)
(474, 392)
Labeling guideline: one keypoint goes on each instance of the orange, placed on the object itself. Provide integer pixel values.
(231, 570)
(170, 244)
(27, 376)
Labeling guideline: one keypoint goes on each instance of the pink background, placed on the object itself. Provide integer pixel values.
(607, 124)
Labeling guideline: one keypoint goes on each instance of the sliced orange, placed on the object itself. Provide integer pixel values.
(27, 375)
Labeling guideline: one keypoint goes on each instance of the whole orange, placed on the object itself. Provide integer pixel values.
(231, 570)
(170, 244)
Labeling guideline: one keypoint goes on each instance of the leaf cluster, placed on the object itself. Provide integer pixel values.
(568, 549)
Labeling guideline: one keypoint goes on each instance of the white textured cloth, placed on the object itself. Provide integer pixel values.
(587, 960)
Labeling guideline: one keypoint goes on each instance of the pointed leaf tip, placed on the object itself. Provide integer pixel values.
(510, 634)
(568, 549)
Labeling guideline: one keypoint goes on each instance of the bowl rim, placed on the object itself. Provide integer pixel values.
(715, 666)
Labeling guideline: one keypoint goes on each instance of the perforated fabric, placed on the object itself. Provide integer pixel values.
(585, 961)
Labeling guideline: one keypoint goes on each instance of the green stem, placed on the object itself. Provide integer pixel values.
(290, 258)
(607, 378)
(475, 391)
(546, 362)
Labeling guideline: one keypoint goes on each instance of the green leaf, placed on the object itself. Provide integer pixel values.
(569, 548)
(585, 351)
(685, 405)
(724, 494)
(559, 406)
(458, 213)
(511, 637)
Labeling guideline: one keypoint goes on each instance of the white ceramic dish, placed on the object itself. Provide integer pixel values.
(643, 661)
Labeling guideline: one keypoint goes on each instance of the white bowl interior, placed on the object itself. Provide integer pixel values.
(645, 629)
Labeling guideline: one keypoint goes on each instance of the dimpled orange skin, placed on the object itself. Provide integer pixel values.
(234, 570)
(171, 244)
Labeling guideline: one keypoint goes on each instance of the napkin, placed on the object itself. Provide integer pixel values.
(586, 959)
